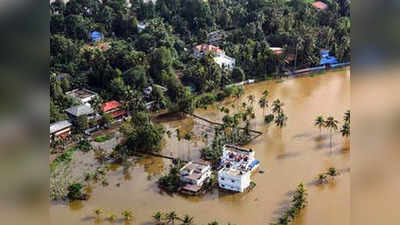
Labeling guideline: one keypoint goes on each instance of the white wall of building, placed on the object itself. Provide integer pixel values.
(233, 183)
(205, 174)
(225, 61)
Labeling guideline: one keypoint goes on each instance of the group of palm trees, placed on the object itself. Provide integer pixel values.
(171, 217)
(277, 115)
(298, 203)
(277, 110)
(127, 214)
(331, 124)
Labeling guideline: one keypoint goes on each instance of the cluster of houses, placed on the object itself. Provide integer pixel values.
(236, 167)
(219, 56)
(62, 129)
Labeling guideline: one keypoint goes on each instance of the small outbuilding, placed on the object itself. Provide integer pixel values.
(60, 130)
(83, 96)
(320, 5)
(96, 36)
(114, 108)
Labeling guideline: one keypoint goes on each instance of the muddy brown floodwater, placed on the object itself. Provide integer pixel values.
(296, 153)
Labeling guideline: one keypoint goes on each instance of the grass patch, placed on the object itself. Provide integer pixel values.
(103, 138)
(64, 157)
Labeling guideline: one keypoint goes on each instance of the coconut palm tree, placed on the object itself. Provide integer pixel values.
(250, 112)
(277, 106)
(332, 126)
(322, 178)
(238, 93)
(347, 117)
(98, 212)
(281, 119)
(187, 220)
(127, 214)
(244, 105)
(263, 102)
(265, 93)
(188, 137)
(319, 122)
(112, 217)
(213, 223)
(332, 171)
(178, 134)
(250, 99)
(171, 217)
(345, 130)
(158, 217)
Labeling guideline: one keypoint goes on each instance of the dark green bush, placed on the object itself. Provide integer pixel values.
(269, 118)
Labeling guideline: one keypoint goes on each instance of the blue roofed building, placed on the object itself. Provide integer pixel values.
(326, 59)
(96, 36)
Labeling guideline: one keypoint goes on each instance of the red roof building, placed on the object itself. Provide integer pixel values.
(113, 107)
(320, 5)
(108, 106)
(206, 48)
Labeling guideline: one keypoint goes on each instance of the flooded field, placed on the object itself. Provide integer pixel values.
(296, 153)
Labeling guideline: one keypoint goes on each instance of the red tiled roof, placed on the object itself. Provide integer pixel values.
(110, 106)
(320, 5)
(208, 48)
(118, 113)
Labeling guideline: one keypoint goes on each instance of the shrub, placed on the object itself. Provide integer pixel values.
(104, 138)
(332, 171)
(75, 192)
(322, 178)
(205, 99)
(269, 118)
(64, 157)
(171, 182)
(145, 138)
(84, 145)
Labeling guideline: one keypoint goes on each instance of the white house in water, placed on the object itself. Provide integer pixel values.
(220, 58)
(237, 164)
(193, 175)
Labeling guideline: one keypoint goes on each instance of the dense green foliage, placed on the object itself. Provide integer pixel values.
(66, 156)
(171, 182)
(75, 192)
(128, 60)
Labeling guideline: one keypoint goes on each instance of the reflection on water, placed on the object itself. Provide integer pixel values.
(297, 153)
(76, 205)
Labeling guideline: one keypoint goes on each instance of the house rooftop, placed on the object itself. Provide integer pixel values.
(96, 36)
(80, 110)
(277, 50)
(57, 126)
(320, 5)
(107, 106)
(80, 93)
(193, 166)
(235, 160)
(208, 48)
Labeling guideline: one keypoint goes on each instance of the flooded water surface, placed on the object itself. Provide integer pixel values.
(296, 153)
